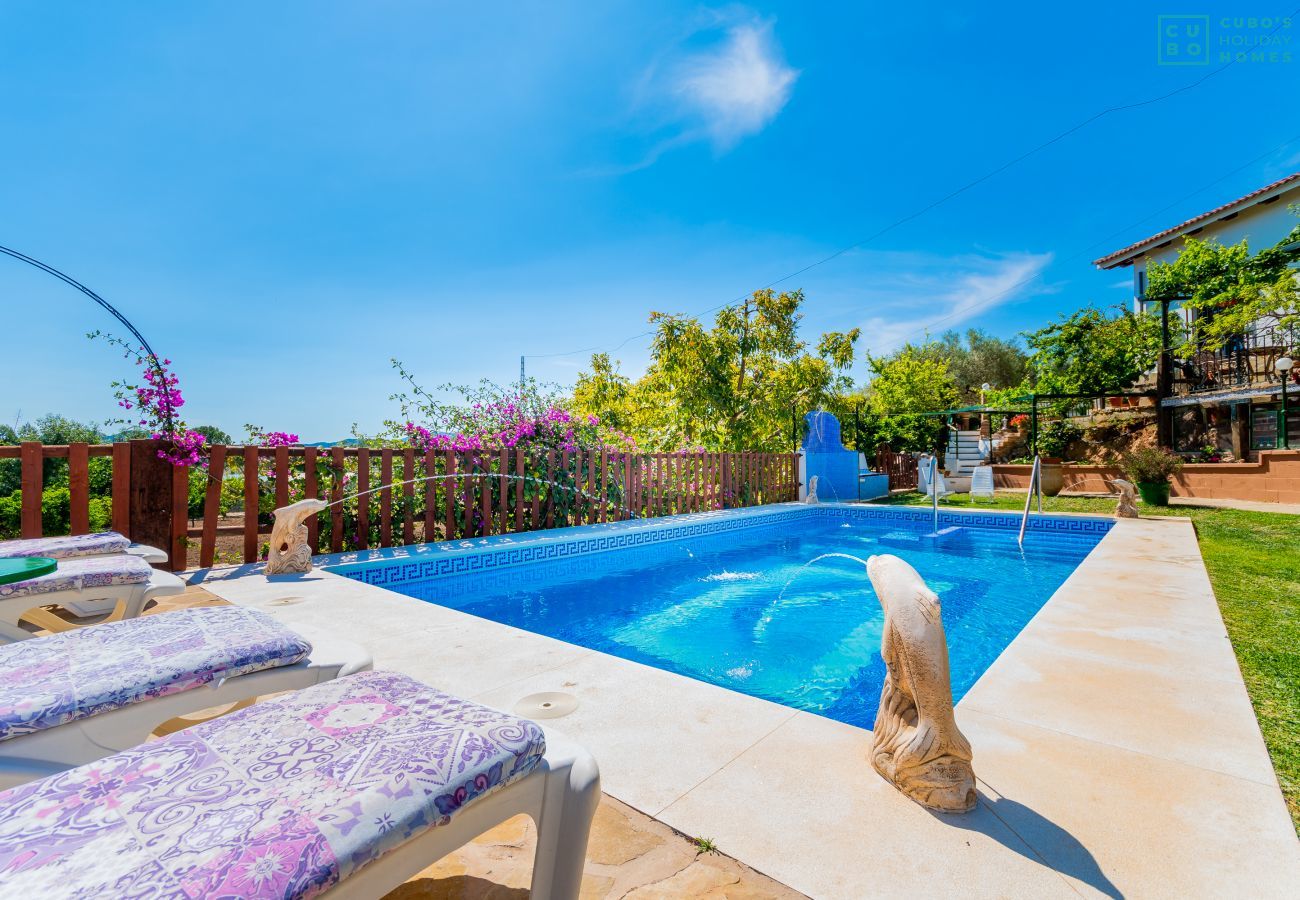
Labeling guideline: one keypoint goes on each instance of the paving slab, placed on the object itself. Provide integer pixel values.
(806, 802)
(1086, 807)
(1148, 669)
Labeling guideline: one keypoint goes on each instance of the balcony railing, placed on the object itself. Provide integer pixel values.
(1245, 362)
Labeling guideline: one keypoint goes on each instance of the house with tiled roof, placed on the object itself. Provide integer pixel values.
(1228, 399)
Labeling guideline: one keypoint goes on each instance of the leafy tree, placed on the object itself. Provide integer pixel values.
(56, 498)
(48, 429)
(729, 387)
(1230, 288)
(606, 393)
(214, 434)
(980, 359)
(1092, 352)
(56, 429)
(905, 384)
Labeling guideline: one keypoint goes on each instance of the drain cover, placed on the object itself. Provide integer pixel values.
(286, 601)
(546, 705)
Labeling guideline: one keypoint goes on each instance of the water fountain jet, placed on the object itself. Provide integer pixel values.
(291, 554)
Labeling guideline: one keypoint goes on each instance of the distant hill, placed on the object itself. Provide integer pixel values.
(346, 442)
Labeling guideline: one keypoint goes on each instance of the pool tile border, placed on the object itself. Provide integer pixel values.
(423, 562)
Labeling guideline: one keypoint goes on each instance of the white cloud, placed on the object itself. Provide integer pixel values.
(736, 88)
(722, 82)
(950, 293)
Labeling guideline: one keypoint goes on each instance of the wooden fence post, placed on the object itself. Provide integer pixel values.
(33, 483)
(338, 466)
(311, 491)
(122, 488)
(211, 504)
(152, 487)
(79, 488)
(252, 503)
(178, 540)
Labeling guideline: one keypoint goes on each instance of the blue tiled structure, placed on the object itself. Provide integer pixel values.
(872, 485)
(825, 456)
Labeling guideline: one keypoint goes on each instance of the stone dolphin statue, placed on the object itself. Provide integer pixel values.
(916, 744)
(290, 552)
(1127, 508)
(812, 490)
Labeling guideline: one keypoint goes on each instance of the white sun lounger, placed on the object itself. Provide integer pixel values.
(121, 583)
(67, 546)
(981, 483)
(344, 789)
(71, 698)
(73, 546)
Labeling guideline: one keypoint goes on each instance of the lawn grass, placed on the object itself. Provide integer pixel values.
(1254, 563)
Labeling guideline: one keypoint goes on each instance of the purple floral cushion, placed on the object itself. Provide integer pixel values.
(83, 572)
(51, 680)
(283, 799)
(67, 546)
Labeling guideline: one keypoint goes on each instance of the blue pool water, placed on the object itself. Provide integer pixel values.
(711, 607)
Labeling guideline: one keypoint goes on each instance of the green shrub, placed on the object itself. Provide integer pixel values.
(1150, 465)
(11, 508)
(56, 505)
(232, 493)
(1055, 438)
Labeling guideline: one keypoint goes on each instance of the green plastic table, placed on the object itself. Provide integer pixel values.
(20, 568)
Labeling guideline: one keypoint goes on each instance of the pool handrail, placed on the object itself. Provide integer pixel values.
(1035, 483)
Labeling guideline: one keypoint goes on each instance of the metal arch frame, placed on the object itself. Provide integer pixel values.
(108, 307)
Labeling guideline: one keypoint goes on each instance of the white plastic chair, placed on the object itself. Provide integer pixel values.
(940, 486)
(923, 474)
(923, 479)
(981, 483)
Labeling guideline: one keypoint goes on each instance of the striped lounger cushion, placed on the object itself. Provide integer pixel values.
(282, 799)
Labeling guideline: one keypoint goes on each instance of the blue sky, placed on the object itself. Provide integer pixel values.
(284, 196)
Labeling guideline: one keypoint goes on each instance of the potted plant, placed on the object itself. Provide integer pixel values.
(1149, 468)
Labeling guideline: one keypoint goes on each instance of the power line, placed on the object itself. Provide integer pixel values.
(1088, 249)
(946, 197)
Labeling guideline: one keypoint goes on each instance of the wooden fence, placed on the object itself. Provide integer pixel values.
(386, 496)
(900, 467)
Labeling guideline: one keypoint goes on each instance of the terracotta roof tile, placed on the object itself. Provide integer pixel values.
(1119, 257)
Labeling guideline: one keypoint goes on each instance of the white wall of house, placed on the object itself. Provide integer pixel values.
(1260, 225)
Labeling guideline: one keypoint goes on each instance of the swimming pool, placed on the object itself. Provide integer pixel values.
(728, 598)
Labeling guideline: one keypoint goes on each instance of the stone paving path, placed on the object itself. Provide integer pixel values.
(630, 855)
(1292, 509)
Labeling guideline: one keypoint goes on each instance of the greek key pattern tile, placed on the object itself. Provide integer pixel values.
(400, 571)
(631, 536)
(1080, 525)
